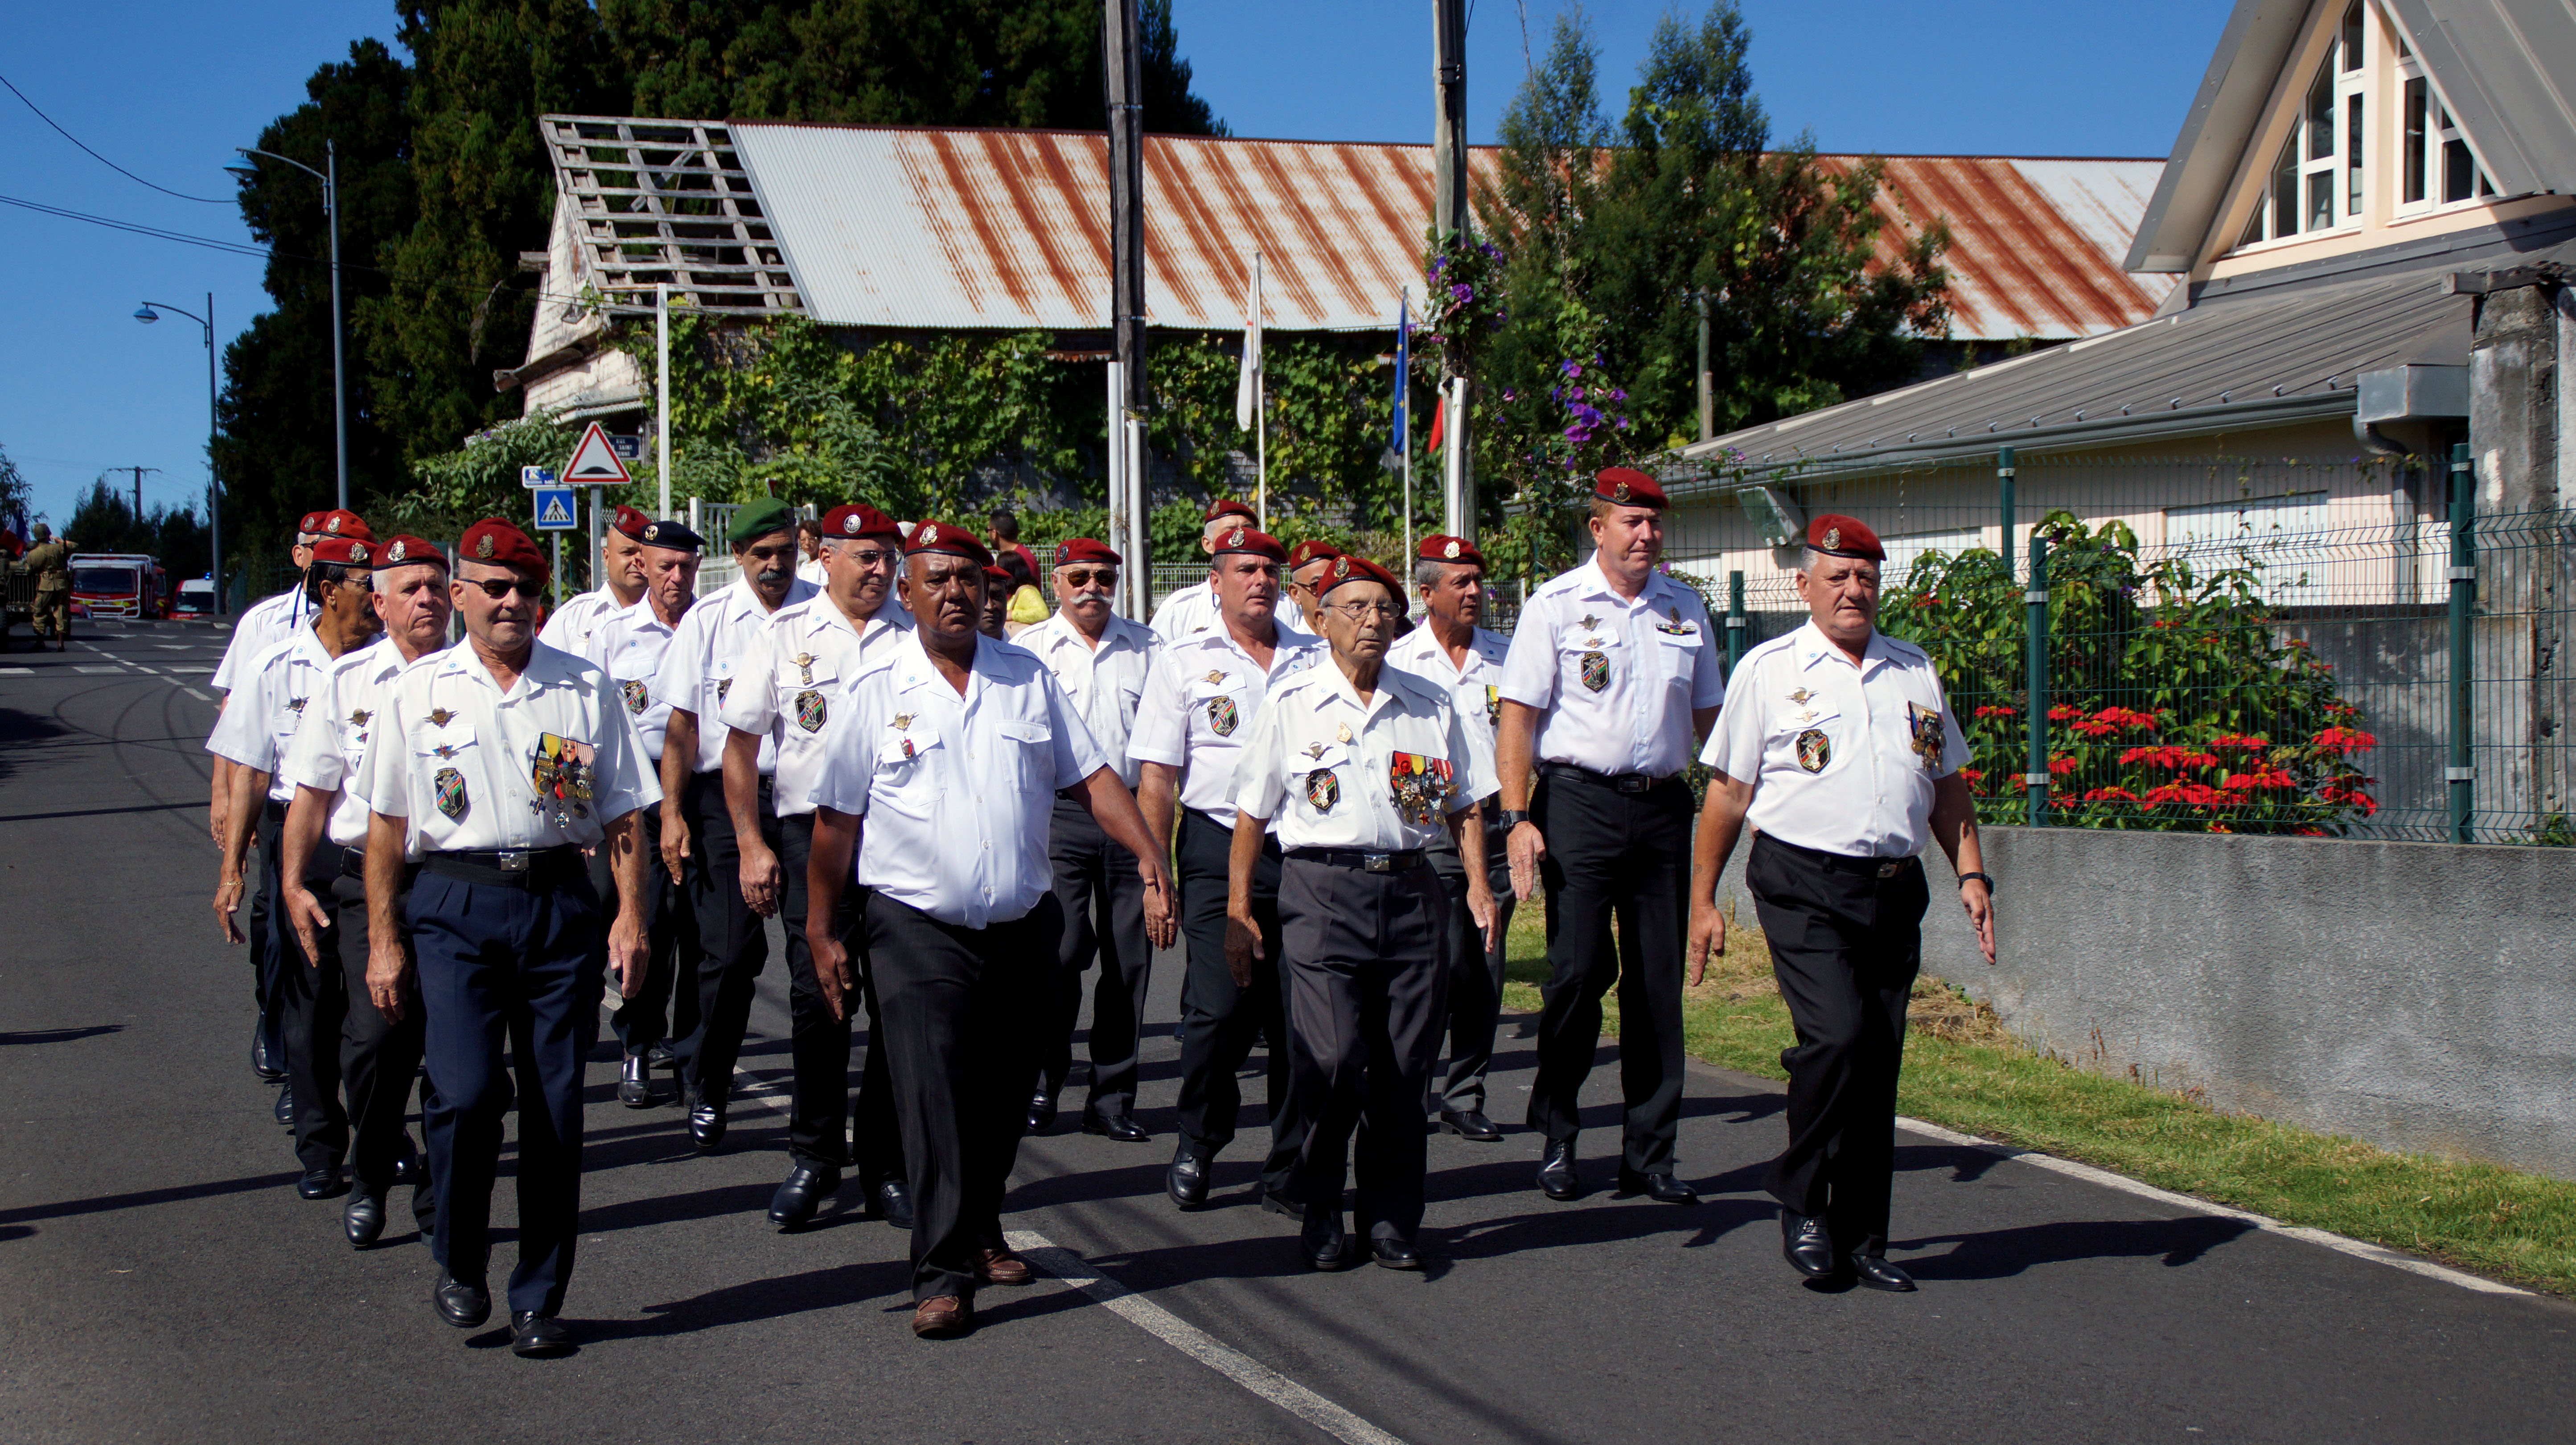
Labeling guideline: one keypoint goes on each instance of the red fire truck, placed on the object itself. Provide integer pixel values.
(118, 584)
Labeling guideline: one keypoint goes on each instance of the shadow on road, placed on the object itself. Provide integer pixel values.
(766, 1299)
(2003, 1253)
(57, 1036)
(108, 1203)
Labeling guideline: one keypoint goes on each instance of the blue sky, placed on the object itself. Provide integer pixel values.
(166, 90)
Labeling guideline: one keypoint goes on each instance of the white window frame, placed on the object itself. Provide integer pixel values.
(2441, 131)
(2336, 163)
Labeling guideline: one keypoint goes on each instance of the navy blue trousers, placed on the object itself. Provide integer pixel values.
(523, 966)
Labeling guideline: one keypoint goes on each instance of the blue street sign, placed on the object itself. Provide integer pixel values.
(555, 509)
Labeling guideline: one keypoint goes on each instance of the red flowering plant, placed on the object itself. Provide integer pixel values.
(2175, 703)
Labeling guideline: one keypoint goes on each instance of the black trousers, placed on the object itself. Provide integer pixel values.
(1475, 971)
(670, 934)
(379, 1057)
(820, 1108)
(1625, 856)
(268, 951)
(962, 1008)
(733, 941)
(1104, 916)
(1219, 1020)
(1845, 946)
(1366, 991)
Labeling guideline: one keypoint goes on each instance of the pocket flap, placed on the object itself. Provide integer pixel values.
(904, 748)
(1577, 639)
(1024, 730)
(1215, 682)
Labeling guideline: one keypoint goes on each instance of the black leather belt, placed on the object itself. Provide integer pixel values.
(272, 810)
(1629, 783)
(1843, 862)
(353, 864)
(530, 868)
(1403, 862)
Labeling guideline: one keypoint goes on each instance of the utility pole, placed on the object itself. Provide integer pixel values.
(1707, 383)
(1121, 37)
(138, 487)
(1449, 216)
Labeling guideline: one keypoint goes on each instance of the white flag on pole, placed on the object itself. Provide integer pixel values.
(1247, 388)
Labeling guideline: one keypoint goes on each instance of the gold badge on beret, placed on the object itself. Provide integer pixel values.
(332, 526)
(1451, 550)
(929, 535)
(483, 548)
(1833, 538)
(357, 552)
(396, 554)
(1619, 491)
(1234, 538)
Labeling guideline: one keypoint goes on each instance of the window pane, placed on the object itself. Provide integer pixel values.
(2486, 184)
(2415, 118)
(2458, 171)
(2321, 116)
(2285, 190)
(2352, 157)
(2253, 227)
(2352, 37)
(2320, 200)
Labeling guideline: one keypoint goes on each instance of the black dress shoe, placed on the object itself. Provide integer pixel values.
(1274, 1202)
(362, 1219)
(803, 1193)
(1876, 1273)
(892, 1200)
(265, 1060)
(1395, 1253)
(635, 1083)
(323, 1181)
(1119, 1126)
(1808, 1244)
(1322, 1242)
(286, 1106)
(707, 1125)
(1470, 1124)
(1042, 1110)
(536, 1337)
(463, 1305)
(659, 1056)
(1661, 1188)
(1556, 1176)
(1188, 1181)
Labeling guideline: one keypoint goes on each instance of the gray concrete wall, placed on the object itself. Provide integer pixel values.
(2421, 996)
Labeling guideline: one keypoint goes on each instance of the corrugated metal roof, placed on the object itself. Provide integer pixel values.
(2035, 243)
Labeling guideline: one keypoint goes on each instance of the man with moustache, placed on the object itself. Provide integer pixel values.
(494, 764)
(941, 767)
(793, 678)
(1101, 661)
(699, 670)
(325, 888)
(621, 584)
(1197, 699)
(253, 735)
(628, 645)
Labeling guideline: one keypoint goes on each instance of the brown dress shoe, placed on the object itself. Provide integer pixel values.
(1000, 1266)
(941, 1317)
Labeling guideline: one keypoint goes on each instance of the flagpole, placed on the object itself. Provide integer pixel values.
(1260, 408)
(1404, 406)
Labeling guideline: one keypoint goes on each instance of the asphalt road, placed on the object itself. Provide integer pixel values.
(159, 1280)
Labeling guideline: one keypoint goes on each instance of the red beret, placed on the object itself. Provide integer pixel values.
(1440, 548)
(1840, 536)
(403, 549)
(502, 544)
(630, 523)
(1245, 539)
(1359, 569)
(1084, 549)
(858, 519)
(999, 578)
(947, 540)
(343, 551)
(1229, 507)
(1310, 550)
(311, 526)
(1628, 487)
(337, 523)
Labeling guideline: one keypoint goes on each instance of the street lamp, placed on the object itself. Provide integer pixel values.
(330, 179)
(214, 481)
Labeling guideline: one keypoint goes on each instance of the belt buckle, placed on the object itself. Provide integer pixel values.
(1378, 862)
(510, 860)
(1890, 870)
(1634, 783)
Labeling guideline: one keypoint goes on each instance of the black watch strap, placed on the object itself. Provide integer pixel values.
(1986, 879)
(1513, 817)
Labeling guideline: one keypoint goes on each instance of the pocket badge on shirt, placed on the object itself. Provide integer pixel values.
(636, 700)
(1222, 717)
(811, 711)
(1323, 789)
(1596, 670)
(1925, 724)
(451, 794)
(1814, 750)
(1421, 785)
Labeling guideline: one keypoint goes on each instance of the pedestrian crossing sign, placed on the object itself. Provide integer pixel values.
(555, 510)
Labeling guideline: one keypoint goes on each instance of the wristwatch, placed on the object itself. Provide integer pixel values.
(1514, 817)
(1980, 877)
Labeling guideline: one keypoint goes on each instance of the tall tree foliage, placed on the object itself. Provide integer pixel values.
(104, 520)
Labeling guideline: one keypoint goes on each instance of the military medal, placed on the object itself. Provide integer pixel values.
(1323, 789)
(1596, 670)
(810, 711)
(562, 770)
(1420, 785)
(295, 705)
(451, 794)
(359, 718)
(1314, 752)
(1341, 732)
(1589, 622)
(723, 687)
(1676, 627)
(1215, 678)
(1493, 704)
(445, 750)
(1800, 696)
(636, 700)
(439, 717)
(1222, 716)
(903, 720)
(1925, 725)
(1814, 750)
(805, 668)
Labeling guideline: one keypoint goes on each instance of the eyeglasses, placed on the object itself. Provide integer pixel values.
(872, 557)
(1085, 576)
(498, 588)
(1366, 611)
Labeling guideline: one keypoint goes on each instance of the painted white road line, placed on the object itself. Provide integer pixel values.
(2358, 1249)
(17, 672)
(1196, 1343)
(199, 696)
(118, 670)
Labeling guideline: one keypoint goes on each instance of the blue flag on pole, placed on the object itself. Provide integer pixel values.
(1403, 372)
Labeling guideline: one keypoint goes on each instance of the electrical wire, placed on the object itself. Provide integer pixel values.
(102, 160)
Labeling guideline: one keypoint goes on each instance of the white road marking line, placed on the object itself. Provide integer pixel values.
(199, 696)
(118, 670)
(1196, 1343)
(2358, 1249)
(17, 672)
(187, 669)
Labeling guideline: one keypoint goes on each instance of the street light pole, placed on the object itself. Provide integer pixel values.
(330, 179)
(214, 480)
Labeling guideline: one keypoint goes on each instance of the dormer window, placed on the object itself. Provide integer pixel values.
(2316, 182)
(2436, 167)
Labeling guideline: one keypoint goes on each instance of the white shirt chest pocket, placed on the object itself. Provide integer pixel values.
(1591, 658)
(1030, 746)
(1677, 653)
(907, 775)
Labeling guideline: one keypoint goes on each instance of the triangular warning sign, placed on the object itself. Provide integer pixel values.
(594, 463)
(554, 509)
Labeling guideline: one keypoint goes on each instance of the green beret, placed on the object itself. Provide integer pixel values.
(759, 519)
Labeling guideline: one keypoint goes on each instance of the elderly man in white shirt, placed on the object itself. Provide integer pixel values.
(942, 767)
(1101, 660)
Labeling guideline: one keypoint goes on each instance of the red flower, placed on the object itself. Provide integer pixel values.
(1993, 711)
(1972, 775)
(2270, 778)
(2063, 711)
(2247, 741)
(2061, 765)
(2110, 795)
(2339, 739)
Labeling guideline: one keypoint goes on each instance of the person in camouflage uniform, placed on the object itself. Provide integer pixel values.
(51, 560)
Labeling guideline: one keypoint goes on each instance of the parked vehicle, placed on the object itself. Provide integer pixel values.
(118, 584)
(196, 598)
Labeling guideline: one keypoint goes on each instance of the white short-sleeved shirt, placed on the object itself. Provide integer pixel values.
(957, 791)
(262, 625)
(1335, 772)
(1199, 697)
(1842, 758)
(571, 626)
(1192, 610)
(1474, 686)
(699, 667)
(1615, 680)
(260, 720)
(1105, 682)
(629, 644)
(464, 762)
(332, 739)
(794, 677)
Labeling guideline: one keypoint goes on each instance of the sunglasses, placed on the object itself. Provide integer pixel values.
(498, 588)
(1085, 576)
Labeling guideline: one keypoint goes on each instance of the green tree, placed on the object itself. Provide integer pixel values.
(14, 494)
(103, 520)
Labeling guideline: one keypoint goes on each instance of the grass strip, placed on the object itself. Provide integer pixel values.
(1965, 1071)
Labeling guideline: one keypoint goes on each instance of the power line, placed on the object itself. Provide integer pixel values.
(102, 160)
